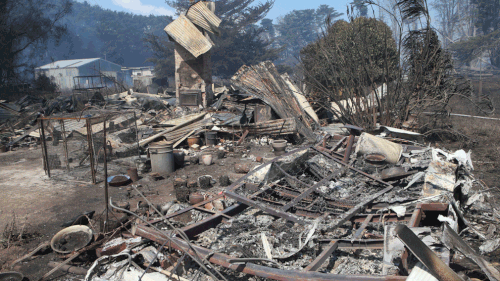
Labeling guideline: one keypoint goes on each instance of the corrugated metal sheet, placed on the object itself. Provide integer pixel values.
(70, 125)
(5, 114)
(67, 63)
(203, 17)
(273, 127)
(13, 109)
(80, 62)
(184, 32)
(264, 82)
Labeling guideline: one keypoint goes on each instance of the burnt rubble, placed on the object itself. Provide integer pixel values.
(323, 205)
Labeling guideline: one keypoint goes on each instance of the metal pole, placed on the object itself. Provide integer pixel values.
(106, 197)
(44, 148)
(91, 149)
(65, 143)
(137, 136)
(348, 149)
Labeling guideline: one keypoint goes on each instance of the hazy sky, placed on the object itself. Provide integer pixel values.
(159, 7)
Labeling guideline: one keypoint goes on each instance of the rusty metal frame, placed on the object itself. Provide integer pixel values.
(308, 273)
(89, 121)
(255, 269)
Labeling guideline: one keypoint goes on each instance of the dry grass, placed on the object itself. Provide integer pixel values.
(484, 135)
(15, 233)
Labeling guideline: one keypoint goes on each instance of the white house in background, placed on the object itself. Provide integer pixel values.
(139, 76)
(81, 74)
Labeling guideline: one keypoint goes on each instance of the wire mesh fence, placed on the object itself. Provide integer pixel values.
(73, 145)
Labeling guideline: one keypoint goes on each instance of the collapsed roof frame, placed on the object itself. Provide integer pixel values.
(309, 272)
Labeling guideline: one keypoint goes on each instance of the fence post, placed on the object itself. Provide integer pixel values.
(91, 149)
(44, 148)
(63, 131)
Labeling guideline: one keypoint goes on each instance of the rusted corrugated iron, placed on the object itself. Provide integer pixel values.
(203, 17)
(264, 82)
(273, 127)
(184, 32)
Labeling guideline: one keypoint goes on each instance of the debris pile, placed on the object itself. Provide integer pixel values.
(362, 206)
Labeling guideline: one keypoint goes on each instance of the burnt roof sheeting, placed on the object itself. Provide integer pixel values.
(184, 32)
(203, 17)
(264, 82)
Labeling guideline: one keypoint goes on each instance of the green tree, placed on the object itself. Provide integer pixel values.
(122, 34)
(347, 68)
(360, 6)
(162, 54)
(362, 49)
(488, 15)
(299, 28)
(97, 32)
(487, 19)
(267, 25)
(42, 83)
(25, 28)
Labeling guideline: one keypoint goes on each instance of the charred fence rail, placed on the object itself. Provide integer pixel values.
(73, 144)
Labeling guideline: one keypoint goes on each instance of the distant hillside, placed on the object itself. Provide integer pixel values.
(97, 32)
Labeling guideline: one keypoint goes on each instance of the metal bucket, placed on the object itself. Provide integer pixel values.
(211, 138)
(162, 158)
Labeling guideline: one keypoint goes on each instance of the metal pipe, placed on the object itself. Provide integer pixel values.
(105, 174)
(91, 150)
(348, 149)
(258, 270)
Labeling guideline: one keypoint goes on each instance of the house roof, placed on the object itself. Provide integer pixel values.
(68, 63)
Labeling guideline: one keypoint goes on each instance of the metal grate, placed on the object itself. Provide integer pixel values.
(189, 97)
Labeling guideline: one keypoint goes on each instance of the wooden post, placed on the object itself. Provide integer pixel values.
(91, 149)
(44, 148)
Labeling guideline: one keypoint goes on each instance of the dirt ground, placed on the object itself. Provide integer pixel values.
(483, 134)
(39, 205)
